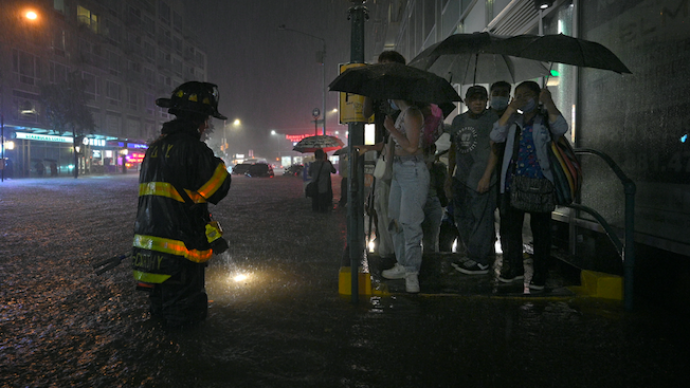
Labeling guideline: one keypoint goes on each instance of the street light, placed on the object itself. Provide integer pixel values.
(321, 57)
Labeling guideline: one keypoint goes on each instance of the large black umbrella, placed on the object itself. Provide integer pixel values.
(312, 143)
(395, 81)
(472, 58)
(563, 49)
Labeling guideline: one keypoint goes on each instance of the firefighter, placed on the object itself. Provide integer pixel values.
(174, 235)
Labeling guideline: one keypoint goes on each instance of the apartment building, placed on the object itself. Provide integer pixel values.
(128, 53)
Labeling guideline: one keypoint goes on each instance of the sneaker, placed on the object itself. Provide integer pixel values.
(396, 272)
(412, 283)
(534, 286)
(471, 267)
(511, 273)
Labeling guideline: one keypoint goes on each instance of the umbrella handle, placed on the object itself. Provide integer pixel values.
(546, 79)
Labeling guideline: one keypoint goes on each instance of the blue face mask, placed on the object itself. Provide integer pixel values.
(499, 102)
(531, 104)
(392, 104)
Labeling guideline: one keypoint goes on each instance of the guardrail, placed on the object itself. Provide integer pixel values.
(625, 248)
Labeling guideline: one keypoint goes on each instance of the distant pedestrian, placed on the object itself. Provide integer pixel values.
(53, 169)
(320, 172)
(174, 235)
(40, 169)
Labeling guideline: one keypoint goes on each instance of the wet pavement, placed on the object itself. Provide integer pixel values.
(284, 324)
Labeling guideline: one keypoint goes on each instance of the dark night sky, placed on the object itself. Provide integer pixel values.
(269, 78)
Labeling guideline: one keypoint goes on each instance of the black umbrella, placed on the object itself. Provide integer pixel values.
(563, 49)
(395, 81)
(478, 57)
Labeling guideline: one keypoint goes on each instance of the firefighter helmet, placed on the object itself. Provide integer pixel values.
(193, 96)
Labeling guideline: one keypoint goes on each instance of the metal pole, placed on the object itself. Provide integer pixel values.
(2, 147)
(355, 207)
(74, 148)
(323, 91)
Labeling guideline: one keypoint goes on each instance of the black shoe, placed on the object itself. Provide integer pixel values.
(510, 273)
(537, 282)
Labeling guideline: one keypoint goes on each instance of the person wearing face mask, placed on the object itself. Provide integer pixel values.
(523, 124)
(472, 182)
(499, 94)
(499, 97)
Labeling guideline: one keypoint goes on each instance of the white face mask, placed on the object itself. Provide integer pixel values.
(499, 102)
(392, 104)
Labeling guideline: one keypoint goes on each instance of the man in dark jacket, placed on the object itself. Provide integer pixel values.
(174, 235)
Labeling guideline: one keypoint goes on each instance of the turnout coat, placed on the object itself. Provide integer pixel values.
(179, 177)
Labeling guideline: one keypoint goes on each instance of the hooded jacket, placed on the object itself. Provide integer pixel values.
(169, 227)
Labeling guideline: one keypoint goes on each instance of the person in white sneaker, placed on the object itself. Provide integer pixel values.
(408, 195)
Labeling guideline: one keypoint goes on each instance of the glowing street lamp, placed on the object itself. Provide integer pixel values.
(31, 15)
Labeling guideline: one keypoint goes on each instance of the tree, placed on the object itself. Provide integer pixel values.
(64, 106)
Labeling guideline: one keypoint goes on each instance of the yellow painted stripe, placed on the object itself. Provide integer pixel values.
(173, 247)
(150, 277)
(216, 181)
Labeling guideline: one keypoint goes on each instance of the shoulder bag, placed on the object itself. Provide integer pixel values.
(532, 195)
(312, 189)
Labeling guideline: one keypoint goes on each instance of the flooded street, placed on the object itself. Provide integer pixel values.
(276, 318)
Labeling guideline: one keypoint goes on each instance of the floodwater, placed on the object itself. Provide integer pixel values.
(276, 318)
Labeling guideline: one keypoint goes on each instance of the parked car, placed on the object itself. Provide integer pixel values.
(260, 170)
(294, 170)
(241, 169)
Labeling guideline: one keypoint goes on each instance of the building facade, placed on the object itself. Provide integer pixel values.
(638, 120)
(127, 52)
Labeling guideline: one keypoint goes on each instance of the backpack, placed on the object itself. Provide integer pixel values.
(433, 126)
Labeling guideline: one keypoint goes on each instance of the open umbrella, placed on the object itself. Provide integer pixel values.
(395, 81)
(472, 58)
(563, 49)
(312, 143)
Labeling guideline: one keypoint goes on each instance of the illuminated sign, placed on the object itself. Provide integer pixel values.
(135, 158)
(50, 138)
(296, 138)
(122, 144)
(96, 142)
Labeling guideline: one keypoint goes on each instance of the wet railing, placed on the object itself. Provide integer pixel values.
(625, 248)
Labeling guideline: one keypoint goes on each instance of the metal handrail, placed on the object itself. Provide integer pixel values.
(626, 249)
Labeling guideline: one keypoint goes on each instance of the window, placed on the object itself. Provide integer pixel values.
(134, 66)
(25, 105)
(90, 86)
(57, 73)
(84, 16)
(26, 67)
(112, 91)
(150, 76)
(164, 13)
(59, 41)
(59, 5)
(113, 63)
(133, 98)
(150, 103)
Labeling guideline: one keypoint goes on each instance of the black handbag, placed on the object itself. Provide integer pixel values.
(532, 195)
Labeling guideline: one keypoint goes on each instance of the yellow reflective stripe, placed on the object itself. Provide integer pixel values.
(195, 196)
(215, 182)
(161, 189)
(150, 277)
(173, 247)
